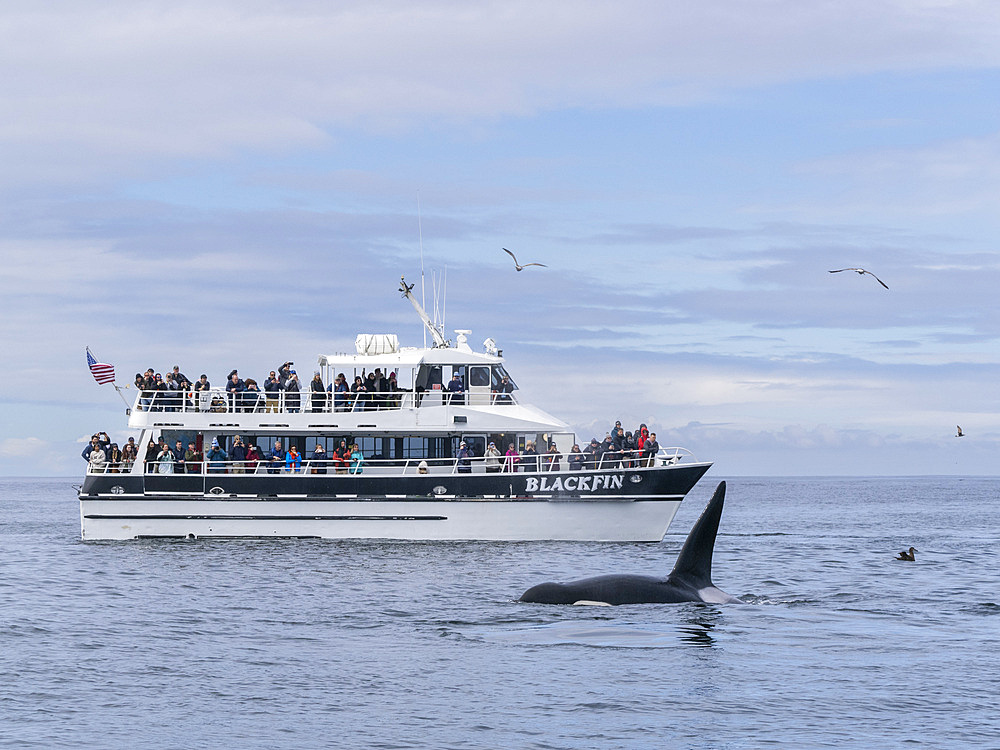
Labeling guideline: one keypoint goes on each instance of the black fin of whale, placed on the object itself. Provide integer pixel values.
(694, 563)
(689, 581)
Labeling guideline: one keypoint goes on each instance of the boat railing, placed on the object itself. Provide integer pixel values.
(219, 400)
(399, 467)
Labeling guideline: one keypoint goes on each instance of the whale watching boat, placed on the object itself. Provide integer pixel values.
(420, 471)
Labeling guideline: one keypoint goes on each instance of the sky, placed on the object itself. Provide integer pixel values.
(233, 184)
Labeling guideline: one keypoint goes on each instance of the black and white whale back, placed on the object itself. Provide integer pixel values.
(689, 581)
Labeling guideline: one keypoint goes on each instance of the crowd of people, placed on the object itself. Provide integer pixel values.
(282, 391)
(243, 457)
(618, 449)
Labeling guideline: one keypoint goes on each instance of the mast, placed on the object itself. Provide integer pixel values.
(439, 340)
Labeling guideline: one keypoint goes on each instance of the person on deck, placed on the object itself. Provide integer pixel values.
(464, 458)
(129, 454)
(192, 459)
(293, 461)
(341, 457)
(492, 459)
(292, 398)
(370, 392)
(148, 390)
(238, 455)
(504, 391)
(529, 457)
(358, 390)
(552, 458)
(203, 395)
(235, 387)
(253, 399)
(254, 457)
(216, 458)
(340, 390)
(272, 391)
(165, 461)
(392, 386)
(357, 459)
(318, 390)
(456, 390)
(650, 449)
(510, 459)
(277, 458)
(97, 460)
(161, 397)
(152, 450)
(318, 462)
(178, 451)
(575, 458)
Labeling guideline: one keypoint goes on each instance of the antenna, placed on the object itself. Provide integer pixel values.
(420, 236)
(439, 340)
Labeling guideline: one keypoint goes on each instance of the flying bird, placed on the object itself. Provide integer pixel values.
(862, 272)
(518, 266)
(960, 433)
(908, 555)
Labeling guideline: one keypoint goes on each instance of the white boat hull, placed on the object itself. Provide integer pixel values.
(598, 519)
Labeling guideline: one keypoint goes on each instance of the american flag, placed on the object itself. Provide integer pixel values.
(102, 373)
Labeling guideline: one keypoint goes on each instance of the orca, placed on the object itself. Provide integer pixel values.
(689, 581)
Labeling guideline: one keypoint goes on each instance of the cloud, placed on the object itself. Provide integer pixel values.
(22, 447)
(120, 84)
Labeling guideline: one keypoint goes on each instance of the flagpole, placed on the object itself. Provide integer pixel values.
(118, 390)
(128, 407)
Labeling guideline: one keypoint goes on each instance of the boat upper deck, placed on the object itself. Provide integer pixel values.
(414, 411)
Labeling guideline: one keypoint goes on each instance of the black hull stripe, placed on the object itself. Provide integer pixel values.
(262, 518)
(352, 499)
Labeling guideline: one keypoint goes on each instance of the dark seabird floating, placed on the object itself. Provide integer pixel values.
(907, 555)
(862, 272)
(517, 265)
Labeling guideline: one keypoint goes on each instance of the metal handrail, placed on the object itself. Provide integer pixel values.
(219, 400)
(664, 457)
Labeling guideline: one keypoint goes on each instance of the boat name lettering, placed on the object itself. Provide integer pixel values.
(574, 484)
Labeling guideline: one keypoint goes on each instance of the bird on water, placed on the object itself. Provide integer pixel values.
(862, 272)
(960, 433)
(907, 555)
(517, 265)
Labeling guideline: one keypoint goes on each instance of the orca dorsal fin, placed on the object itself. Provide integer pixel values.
(694, 563)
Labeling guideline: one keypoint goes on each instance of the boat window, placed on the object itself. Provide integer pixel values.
(479, 376)
(497, 375)
(476, 443)
(429, 377)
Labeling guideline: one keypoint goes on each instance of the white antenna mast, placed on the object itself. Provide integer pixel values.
(420, 235)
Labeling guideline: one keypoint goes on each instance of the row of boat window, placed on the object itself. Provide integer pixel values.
(386, 448)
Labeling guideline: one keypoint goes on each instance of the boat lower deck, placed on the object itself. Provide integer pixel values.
(624, 504)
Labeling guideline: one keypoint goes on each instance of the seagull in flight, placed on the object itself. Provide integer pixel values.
(862, 272)
(960, 433)
(518, 266)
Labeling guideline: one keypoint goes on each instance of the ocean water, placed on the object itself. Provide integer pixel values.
(301, 644)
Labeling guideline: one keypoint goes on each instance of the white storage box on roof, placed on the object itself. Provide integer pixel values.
(376, 343)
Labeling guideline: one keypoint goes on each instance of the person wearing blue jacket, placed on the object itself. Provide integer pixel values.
(216, 458)
(277, 457)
